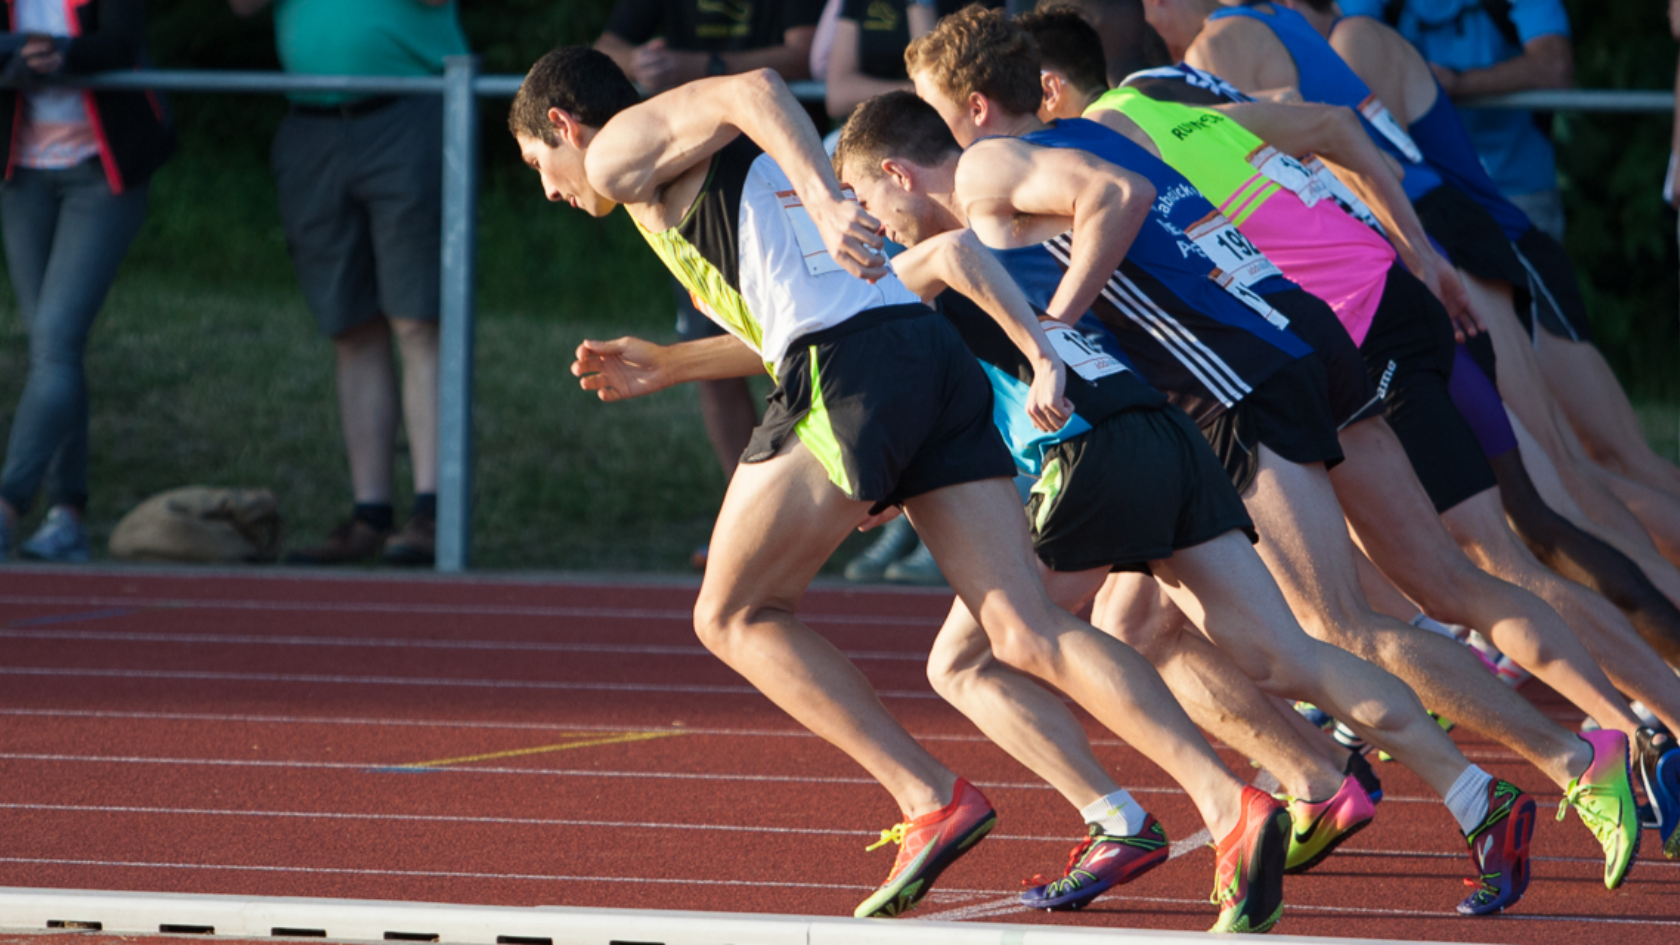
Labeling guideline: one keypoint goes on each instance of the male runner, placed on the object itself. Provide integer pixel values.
(1142, 492)
(877, 403)
(1277, 438)
(1403, 333)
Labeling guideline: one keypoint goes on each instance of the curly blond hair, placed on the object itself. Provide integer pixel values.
(980, 50)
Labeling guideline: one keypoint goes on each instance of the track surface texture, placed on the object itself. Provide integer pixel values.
(568, 743)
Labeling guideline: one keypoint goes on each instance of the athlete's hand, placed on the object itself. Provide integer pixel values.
(852, 236)
(1443, 282)
(620, 369)
(1047, 402)
(880, 518)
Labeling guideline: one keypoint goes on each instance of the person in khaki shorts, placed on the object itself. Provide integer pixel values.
(360, 186)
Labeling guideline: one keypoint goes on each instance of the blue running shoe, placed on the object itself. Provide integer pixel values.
(1100, 862)
(1659, 774)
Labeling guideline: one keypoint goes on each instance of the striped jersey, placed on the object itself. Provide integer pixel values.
(748, 252)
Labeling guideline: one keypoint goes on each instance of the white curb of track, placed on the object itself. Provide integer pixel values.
(132, 913)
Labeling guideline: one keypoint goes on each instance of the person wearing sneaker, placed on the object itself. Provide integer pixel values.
(73, 200)
(358, 180)
(878, 404)
(895, 540)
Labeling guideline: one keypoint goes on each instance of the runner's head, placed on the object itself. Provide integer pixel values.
(1129, 43)
(897, 155)
(1070, 57)
(978, 70)
(565, 99)
(1178, 21)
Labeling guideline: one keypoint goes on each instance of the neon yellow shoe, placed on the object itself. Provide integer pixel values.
(1322, 827)
(1603, 796)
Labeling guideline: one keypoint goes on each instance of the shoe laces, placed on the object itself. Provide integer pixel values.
(1578, 796)
(1481, 885)
(1079, 851)
(894, 834)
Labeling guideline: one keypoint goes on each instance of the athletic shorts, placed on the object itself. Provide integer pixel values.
(1410, 353)
(1471, 239)
(1352, 395)
(1557, 293)
(1139, 486)
(361, 201)
(1289, 413)
(892, 404)
(1477, 398)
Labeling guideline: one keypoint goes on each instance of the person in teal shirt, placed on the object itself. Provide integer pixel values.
(360, 185)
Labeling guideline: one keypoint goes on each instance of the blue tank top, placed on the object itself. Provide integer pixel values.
(1325, 77)
(1448, 148)
(1190, 338)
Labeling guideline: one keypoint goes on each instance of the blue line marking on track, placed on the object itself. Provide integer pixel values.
(72, 618)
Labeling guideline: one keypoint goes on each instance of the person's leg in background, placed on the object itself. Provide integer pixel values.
(726, 406)
(66, 235)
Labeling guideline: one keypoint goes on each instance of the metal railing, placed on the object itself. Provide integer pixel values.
(461, 86)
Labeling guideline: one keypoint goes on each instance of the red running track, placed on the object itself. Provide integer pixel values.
(554, 743)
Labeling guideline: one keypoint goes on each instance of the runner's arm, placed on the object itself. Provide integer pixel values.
(957, 260)
(1004, 180)
(648, 145)
(630, 367)
(1336, 136)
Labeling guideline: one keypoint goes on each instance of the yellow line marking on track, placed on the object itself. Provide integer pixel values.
(594, 739)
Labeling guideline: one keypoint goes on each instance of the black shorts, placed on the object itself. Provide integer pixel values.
(1352, 395)
(1557, 293)
(1409, 352)
(1472, 240)
(892, 404)
(1139, 486)
(1289, 412)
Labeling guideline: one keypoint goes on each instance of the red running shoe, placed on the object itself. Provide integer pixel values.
(1248, 883)
(926, 846)
(1499, 848)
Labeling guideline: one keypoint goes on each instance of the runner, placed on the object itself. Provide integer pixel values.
(1278, 436)
(1126, 495)
(1403, 332)
(877, 403)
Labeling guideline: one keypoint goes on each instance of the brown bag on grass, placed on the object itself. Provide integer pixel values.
(201, 524)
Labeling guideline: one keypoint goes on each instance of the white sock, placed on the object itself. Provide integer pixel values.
(1425, 622)
(1467, 800)
(1119, 814)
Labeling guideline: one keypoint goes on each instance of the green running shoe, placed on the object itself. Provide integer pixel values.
(1322, 827)
(1603, 796)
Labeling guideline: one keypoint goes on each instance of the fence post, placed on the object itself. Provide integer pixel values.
(455, 331)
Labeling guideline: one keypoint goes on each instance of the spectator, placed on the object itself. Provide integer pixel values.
(1490, 47)
(360, 185)
(1671, 192)
(662, 44)
(869, 41)
(78, 169)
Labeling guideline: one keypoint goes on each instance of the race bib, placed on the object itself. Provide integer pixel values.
(1289, 174)
(1236, 261)
(1381, 119)
(1343, 196)
(817, 260)
(1080, 354)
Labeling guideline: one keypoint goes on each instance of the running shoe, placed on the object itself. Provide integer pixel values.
(1360, 767)
(1659, 775)
(1100, 861)
(1248, 881)
(1319, 828)
(1603, 796)
(1499, 851)
(895, 540)
(1315, 715)
(926, 846)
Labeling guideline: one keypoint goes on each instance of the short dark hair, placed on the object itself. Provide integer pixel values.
(576, 79)
(1068, 44)
(893, 125)
(979, 50)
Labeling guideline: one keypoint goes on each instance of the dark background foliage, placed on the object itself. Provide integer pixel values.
(1620, 235)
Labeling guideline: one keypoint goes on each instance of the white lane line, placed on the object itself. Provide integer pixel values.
(411, 681)
(448, 819)
(470, 610)
(617, 880)
(493, 646)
